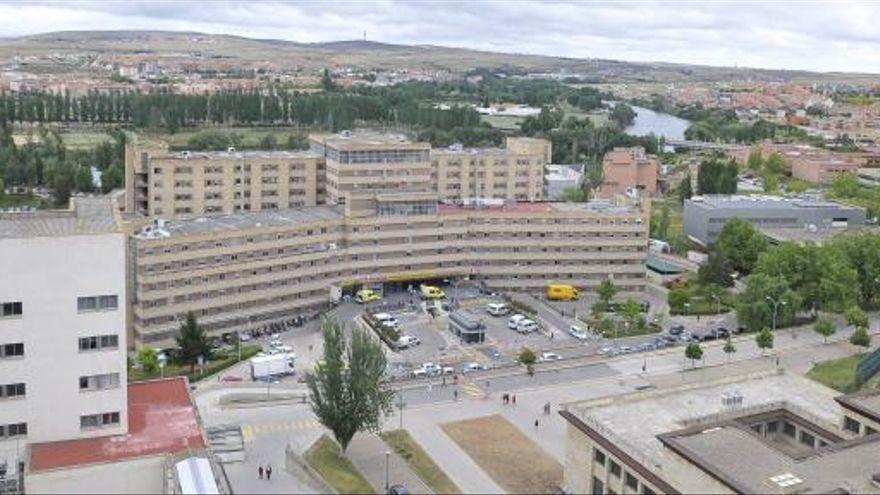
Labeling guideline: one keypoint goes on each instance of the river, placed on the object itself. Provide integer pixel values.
(648, 121)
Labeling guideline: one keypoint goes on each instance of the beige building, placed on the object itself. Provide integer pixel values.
(692, 439)
(625, 169)
(173, 184)
(163, 183)
(241, 270)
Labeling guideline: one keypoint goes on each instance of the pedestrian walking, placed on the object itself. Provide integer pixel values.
(505, 399)
(455, 395)
(268, 472)
(536, 424)
(513, 399)
(444, 381)
(429, 387)
(260, 472)
(777, 361)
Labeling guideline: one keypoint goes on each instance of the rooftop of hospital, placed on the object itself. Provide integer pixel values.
(86, 216)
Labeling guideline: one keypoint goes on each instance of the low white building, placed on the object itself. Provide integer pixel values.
(62, 326)
(557, 178)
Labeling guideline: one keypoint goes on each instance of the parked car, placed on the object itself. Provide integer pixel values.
(722, 333)
(386, 319)
(577, 332)
(399, 489)
(606, 350)
(472, 367)
(244, 336)
(514, 320)
(550, 356)
(497, 309)
(676, 330)
(526, 326)
(646, 346)
(625, 349)
(406, 341)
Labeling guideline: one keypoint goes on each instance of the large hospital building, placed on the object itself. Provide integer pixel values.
(368, 209)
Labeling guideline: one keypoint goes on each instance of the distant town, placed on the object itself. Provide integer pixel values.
(253, 266)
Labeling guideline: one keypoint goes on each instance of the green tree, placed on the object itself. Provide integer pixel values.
(754, 311)
(574, 195)
(775, 165)
(856, 317)
(717, 175)
(755, 161)
(861, 251)
(825, 327)
(622, 115)
(83, 179)
(528, 358)
(740, 244)
(631, 311)
(685, 190)
(268, 142)
(347, 389)
(860, 337)
(729, 348)
(148, 358)
(764, 339)
(676, 298)
(716, 270)
(607, 327)
(660, 223)
(192, 342)
(694, 352)
(606, 292)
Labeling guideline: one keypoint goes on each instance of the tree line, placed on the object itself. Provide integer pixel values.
(43, 160)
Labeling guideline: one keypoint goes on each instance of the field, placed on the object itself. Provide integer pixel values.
(324, 457)
(838, 374)
(219, 363)
(419, 461)
(15, 200)
(249, 137)
(515, 462)
(84, 139)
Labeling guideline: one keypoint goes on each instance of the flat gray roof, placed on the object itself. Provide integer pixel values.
(89, 216)
(634, 422)
(238, 221)
(764, 202)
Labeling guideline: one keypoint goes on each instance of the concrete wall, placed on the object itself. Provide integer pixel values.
(49, 273)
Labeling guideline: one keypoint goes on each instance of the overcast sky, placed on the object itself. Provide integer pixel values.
(825, 36)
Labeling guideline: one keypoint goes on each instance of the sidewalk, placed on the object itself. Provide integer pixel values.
(367, 452)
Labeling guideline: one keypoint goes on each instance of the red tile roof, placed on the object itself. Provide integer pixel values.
(161, 419)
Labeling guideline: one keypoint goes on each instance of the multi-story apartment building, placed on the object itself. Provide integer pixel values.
(626, 169)
(767, 433)
(171, 184)
(62, 324)
(238, 270)
(163, 183)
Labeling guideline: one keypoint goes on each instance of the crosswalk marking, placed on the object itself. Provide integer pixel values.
(248, 432)
(472, 390)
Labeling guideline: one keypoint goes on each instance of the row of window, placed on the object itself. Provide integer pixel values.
(12, 390)
(97, 303)
(13, 430)
(12, 350)
(101, 420)
(99, 342)
(614, 469)
(98, 382)
(10, 309)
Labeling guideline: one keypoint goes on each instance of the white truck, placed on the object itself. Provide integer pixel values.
(265, 367)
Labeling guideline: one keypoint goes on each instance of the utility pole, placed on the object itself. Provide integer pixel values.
(776, 304)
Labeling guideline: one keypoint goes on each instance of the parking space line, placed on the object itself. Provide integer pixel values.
(248, 432)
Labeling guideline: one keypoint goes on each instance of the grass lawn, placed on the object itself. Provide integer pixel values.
(213, 366)
(515, 462)
(84, 139)
(838, 374)
(701, 302)
(11, 200)
(325, 458)
(419, 461)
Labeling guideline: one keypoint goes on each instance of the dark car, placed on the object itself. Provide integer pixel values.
(722, 332)
(676, 330)
(710, 335)
(398, 490)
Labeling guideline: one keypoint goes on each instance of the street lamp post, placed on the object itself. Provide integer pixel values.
(776, 303)
(717, 304)
(400, 405)
(387, 478)
(687, 309)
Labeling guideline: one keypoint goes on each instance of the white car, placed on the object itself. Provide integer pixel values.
(286, 349)
(406, 341)
(550, 356)
(526, 326)
(577, 332)
(386, 319)
(514, 320)
(275, 343)
(471, 367)
(497, 309)
(244, 337)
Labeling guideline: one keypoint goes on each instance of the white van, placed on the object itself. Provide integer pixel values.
(514, 320)
(526, 326)
(497, 309)
(386, 319)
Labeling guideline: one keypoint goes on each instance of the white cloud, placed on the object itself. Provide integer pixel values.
(794, 35)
